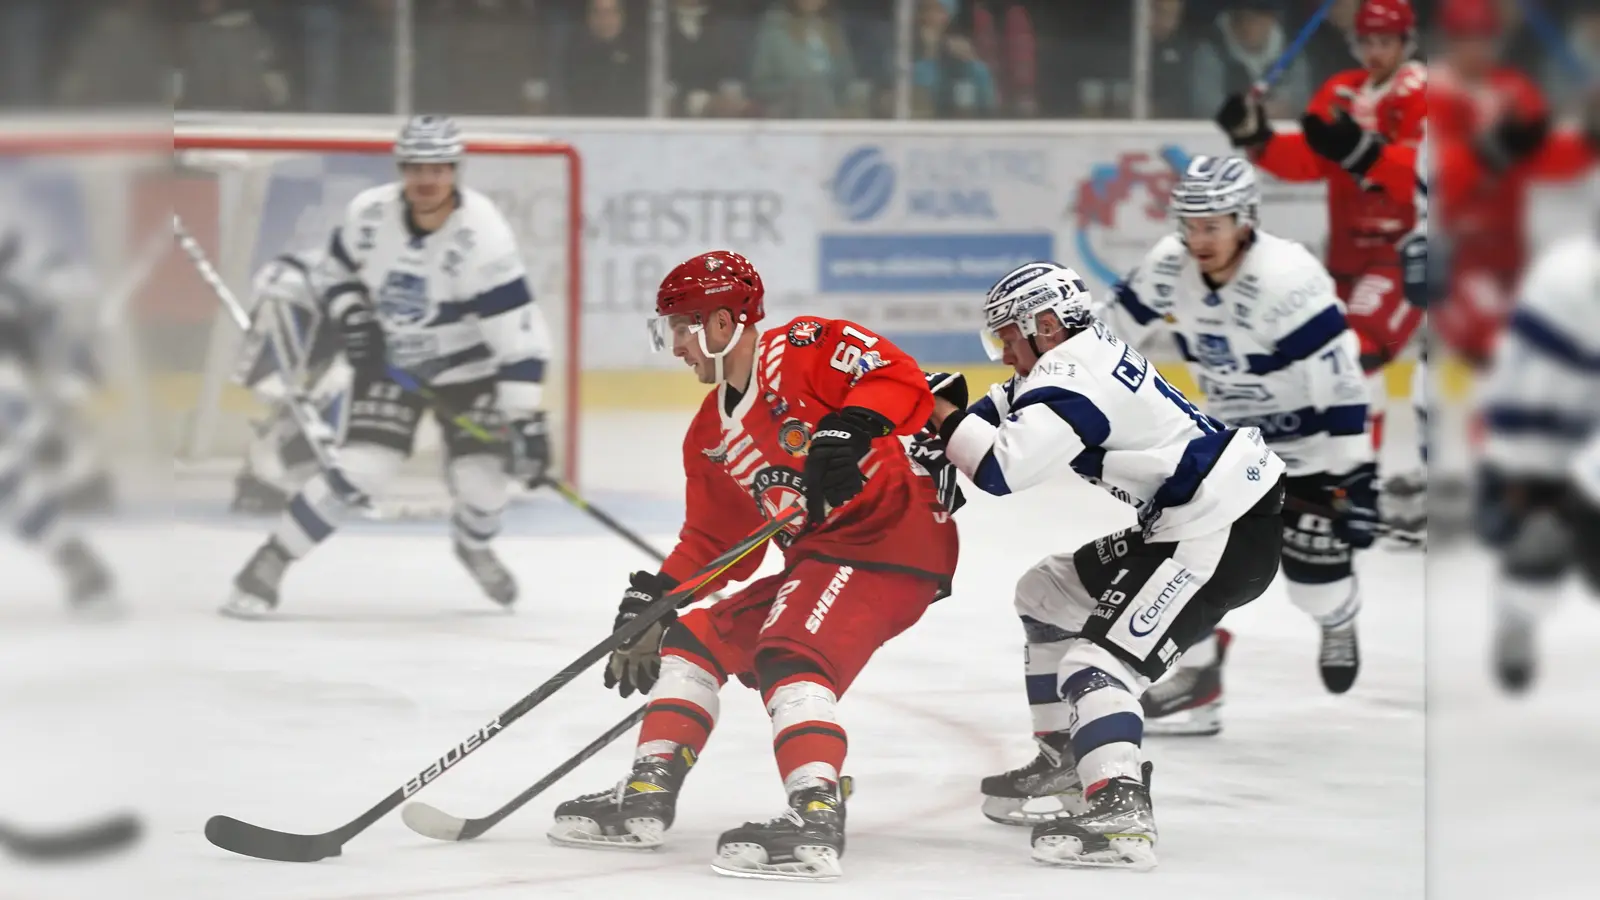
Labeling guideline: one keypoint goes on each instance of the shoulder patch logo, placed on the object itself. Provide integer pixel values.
(804, 332)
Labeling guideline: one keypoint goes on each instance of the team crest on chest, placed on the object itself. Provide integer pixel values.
(403, 299)
(795, 437)
(804, 332)
(1214, 353)
(775, 489)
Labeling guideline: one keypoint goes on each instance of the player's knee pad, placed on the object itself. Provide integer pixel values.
(1051, 594)
(1504, 504)
(479, 490)
(692, 638)
(1329, 602)
(1084, 654)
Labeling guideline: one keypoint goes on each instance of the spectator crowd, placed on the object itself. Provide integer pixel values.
(722, 58)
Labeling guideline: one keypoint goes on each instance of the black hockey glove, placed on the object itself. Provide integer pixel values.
(360, 334)
(1511, 141)
(1342, 141)
(833, 472)
(1243, 119)
(1354, 499)
(634, 666)
(529, 455)
(1415, 273)
(927, 451)
(951, 386)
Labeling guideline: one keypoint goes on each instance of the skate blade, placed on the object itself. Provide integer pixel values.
(245, 607)
(585, 834)
(1132, 852)
(1029, 811)
(749, 861)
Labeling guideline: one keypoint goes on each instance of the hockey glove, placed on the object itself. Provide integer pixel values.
(1244, 121)
(1414, 268)
(833, 471)
(634, 666)
(1354, 498)
(360, 334)
(529, 455)
(1342, 141)
(951, 386)
(1511, 141)
(927, 451)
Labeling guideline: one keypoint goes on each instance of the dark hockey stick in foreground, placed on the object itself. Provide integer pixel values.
(430, 821)
(115, 833)
(264, 843)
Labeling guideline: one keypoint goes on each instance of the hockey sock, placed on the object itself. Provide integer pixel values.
(1529, 599)
(478, 489)
(1332, 604)
(315, 513)
(682, 710)
(807, 739)
(1042, 663)
(1109, 727)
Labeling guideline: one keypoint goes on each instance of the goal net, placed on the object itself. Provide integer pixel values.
(249, 195)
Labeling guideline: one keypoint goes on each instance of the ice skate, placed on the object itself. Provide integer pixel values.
(1340, 658)
(1514, 663)
(89, 587)
(803, 844)
(1189, 701)
(490, 574)
(253, 496)
(1118, 830)
(634, 815)
(255, 588)
(1044, 789)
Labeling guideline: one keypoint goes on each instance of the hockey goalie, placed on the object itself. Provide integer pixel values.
(806, 413)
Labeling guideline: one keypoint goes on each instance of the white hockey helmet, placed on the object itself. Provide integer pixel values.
(1218, 186)
(429, 139)
(1028, 290)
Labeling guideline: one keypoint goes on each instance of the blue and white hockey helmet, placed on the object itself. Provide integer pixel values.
(1031, 289)
(1218, 186)
(429, 139)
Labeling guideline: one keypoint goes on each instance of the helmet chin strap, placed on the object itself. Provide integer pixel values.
(717, 357)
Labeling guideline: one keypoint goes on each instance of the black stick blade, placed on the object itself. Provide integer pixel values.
(264, 843)
(116, 833)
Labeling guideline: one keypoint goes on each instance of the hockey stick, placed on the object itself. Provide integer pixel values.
(264, 843)
(432, 822)
(1286, 59)
(115, 833)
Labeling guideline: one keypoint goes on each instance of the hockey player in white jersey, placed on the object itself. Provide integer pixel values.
(1260, 324)
(288, 319)
(1106, 620)
(1541, 403)
(425, 278)
(39, 351)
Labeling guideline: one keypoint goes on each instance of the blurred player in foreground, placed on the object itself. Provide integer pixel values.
(288, 314)
(1106, 620)
(1539, 485)
(1258, 320)
(424, 275)
(808, 412)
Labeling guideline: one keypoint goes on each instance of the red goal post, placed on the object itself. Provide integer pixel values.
(279, 188)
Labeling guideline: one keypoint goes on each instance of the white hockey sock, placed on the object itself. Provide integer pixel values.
(1109, 726)
(1042, 663)
(479, 490)
(684, 705)
(1526, 599)
(328, 500)
(1332, 604)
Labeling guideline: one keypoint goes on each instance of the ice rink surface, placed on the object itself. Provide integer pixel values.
(385, 656)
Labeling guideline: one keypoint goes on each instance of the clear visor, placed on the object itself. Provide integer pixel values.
(667, 331)
(991, 345)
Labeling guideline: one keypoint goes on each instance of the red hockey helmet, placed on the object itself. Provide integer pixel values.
(1470, 18)
(1386, 17)
(720, 279)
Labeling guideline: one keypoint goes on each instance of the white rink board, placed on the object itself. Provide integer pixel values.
(386, 656)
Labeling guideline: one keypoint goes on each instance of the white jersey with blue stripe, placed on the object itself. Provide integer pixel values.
(1541, 400)
(1269, 349)
(455, 304)
(1095, 406)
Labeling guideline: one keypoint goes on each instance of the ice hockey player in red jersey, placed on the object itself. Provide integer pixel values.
(811, 413)
(1363, 122)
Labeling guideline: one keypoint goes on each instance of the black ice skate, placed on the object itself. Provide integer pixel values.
(1340, 658)
(1118, 830)
(1514, 657)
(255, 588)
(1189, 701)
(490, 574)
(1044, 789)
(803, 844)
(635, 815)
(253, 496)
(88, 580)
